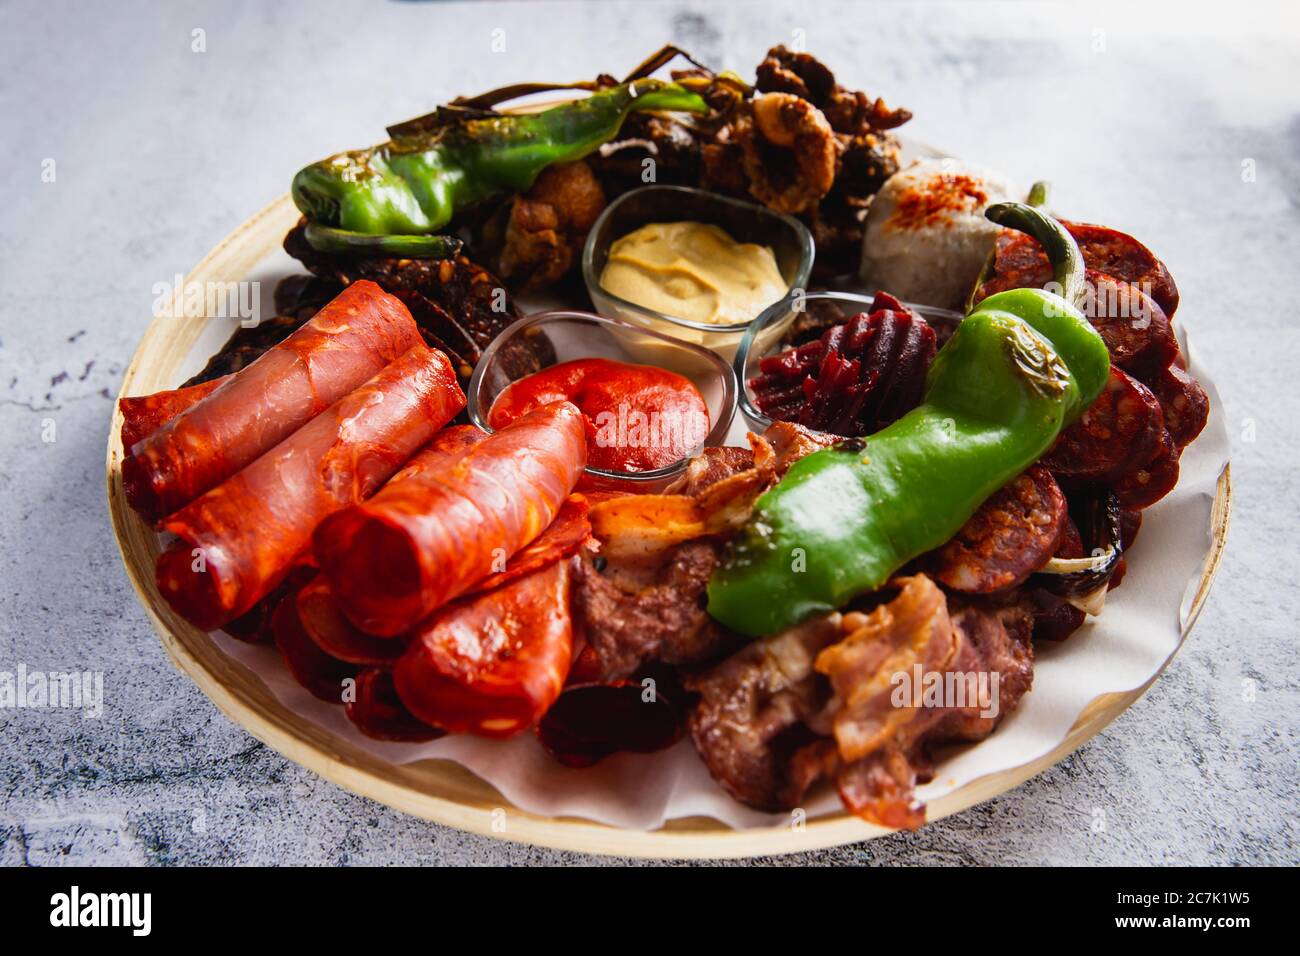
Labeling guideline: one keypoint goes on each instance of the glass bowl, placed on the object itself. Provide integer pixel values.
(788, 238)
(549, 338)
(765, 334)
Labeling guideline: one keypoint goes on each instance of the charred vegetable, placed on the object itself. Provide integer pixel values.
(390, 198)
(1018, 369)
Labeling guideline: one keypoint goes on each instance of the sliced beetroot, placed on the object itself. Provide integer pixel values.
(856, 378)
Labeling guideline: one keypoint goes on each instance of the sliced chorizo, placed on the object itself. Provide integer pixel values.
(346, 344)
(430, 537)
(145, 414)
(379, 713)
(1183, 403)
(1011, 536)
(492, 664)
(238, 540)
(1148, 483)
(1121, 429)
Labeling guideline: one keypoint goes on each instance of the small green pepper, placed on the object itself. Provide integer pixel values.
(1019, 368)
(411, 186)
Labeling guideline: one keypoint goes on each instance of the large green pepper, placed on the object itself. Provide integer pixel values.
(1019, 368)
(411, 186)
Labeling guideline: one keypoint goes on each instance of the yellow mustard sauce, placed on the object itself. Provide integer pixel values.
(693, 271)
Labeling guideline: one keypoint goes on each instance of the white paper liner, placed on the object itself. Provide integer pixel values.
(1138, 631)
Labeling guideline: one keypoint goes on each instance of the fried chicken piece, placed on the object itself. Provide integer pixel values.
(549, 224)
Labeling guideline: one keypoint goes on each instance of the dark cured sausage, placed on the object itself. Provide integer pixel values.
(1106, 250)
(1145, 485)
(379, 713)
(1120, 430)
(591, 721)
(1133, 326)
(239, 539)
(492, 664)
(1184, 403)
(427, 539)
(1011, 536)
(144, 415)
(344, 346)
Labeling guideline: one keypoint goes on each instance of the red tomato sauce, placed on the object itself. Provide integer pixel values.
(639, 418)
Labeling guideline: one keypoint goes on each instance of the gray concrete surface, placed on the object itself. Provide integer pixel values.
(1180, 124)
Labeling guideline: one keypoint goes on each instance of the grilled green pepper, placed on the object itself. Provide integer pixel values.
(1019, 368)
(408, 188)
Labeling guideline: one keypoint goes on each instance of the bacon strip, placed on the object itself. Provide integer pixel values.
(238, 540)
(145, 414)
(493, 664)
(428, 538)
(344, 345)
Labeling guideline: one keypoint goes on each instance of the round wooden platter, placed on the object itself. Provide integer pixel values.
(441, 790)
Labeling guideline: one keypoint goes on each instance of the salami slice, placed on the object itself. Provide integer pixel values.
(238, 540)
(336, 635)
(378, 712)
(1011, 536)
(427, 539)
(1019, 262)
(344, 346)
(1148, 483)
(1133, 326)
(322, 675)
(1183, 402)
(144, 415)
(1121, 429)
(492, 664)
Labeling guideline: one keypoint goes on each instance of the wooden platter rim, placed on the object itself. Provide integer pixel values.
(441, 790)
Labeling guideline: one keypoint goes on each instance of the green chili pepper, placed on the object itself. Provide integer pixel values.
(413, 184)
(1018, 369)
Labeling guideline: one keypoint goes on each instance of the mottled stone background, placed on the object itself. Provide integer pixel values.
(1143, 118)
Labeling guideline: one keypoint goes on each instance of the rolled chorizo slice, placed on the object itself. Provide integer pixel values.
(430, 537)
(1011, 536)
(336, 635)
(1120, 430)
(238, 540)
(492, 664)
(341, 348)
(145, 414)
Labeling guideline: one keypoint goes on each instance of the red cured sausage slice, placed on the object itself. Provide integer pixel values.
(143, 416)
(1011, 536)
(1105, 250)
(492, 664)
(336, 635)
(427, 539)
(563, 536)
(1183, 402)
(343, 346)
(379, 713)
(238, 540)
(311, 667)
(1144, 486)
(254, 626)
(1119, 430)
(1135, 329)
(589, 722)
